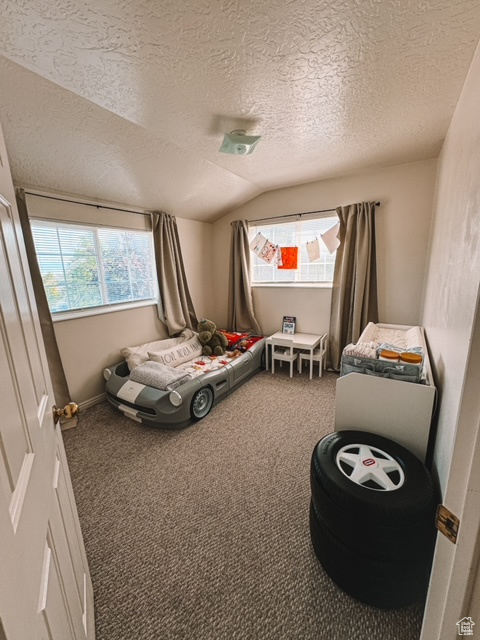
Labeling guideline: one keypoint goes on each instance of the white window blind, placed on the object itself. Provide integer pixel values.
(86, 266)
(291, 234)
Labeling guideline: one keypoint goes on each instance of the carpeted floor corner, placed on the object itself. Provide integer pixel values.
(202, 534)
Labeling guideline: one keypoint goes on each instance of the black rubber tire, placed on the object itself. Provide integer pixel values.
(388, 585)
(374, 540)
(405, 506)
(201, 404)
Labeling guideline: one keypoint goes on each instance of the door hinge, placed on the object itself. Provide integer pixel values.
(447, 523)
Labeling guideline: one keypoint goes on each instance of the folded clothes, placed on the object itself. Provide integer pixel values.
(372, 350)
(361, 350)
(158, 375)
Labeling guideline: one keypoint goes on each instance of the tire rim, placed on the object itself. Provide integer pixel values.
(370, 467)
(201, 403)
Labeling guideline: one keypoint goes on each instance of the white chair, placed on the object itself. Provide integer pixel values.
(282, 349)
(318, 355)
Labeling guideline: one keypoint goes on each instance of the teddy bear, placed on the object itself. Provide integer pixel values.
(212, 341)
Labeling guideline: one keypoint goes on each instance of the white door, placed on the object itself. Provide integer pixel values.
(45, 586)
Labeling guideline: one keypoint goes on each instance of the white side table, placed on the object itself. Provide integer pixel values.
(307, 341)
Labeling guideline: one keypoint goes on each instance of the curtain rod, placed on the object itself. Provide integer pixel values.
(87, 204)
(304, 213)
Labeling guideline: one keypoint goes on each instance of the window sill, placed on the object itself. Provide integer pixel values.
(97, 311)
(293, 285)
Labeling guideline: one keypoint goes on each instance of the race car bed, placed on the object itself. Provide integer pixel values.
(146, 388)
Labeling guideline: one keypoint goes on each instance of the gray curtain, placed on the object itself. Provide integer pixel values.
(241, 316)
(178, 311)
(354, 295)
(57, 373)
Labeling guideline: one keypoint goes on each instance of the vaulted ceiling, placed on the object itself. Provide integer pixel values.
(127, 101)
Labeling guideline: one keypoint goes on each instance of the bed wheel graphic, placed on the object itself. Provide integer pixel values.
(202, 402)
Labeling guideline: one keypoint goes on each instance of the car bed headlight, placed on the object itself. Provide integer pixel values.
(175, 398)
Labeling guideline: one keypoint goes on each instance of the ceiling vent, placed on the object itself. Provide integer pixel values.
(238, 143)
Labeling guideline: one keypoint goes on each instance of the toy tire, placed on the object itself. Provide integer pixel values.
(385, 584)
(202, 402)
(374, 540)
(412, 502)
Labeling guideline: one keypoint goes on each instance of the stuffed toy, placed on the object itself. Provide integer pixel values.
(240, 348)
(212, 341)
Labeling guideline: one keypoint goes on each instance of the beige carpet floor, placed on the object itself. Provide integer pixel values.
(202, 534)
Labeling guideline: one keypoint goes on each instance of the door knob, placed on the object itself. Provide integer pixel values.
(70, 410)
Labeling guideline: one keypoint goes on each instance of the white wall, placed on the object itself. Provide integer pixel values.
(453, 274)
(450, 316)
(311, 307)
(403, 227)
(87, 345)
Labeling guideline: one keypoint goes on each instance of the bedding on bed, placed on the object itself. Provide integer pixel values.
(139, 354)
(239, 340)
(204, 364)
(177, 354)
(183, 349)
(166, 364)
(158, 375)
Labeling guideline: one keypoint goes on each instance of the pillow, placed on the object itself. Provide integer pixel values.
(138, 355)
(179, 353)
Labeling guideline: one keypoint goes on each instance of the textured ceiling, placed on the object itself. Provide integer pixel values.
(128, 101)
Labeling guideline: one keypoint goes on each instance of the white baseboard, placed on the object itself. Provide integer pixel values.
(91, 402)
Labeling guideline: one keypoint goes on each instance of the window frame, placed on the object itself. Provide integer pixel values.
(110, 307)
(297, 284)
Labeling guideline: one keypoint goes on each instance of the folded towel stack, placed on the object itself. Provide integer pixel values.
(158, 375)
(361, 350)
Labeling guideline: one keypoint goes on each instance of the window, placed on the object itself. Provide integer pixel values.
(86, 266)
(291, 234)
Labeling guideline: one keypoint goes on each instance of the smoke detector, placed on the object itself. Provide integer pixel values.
(238, 143)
